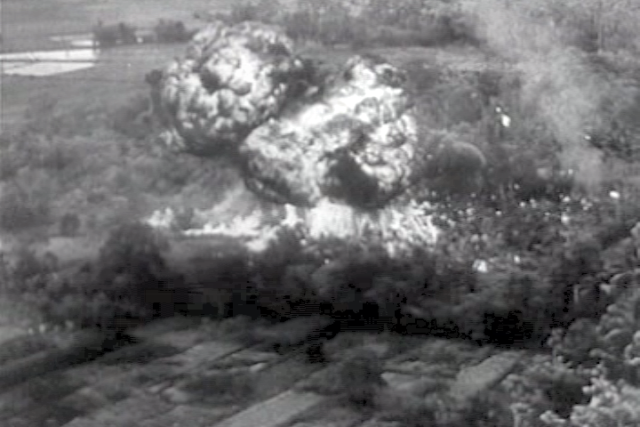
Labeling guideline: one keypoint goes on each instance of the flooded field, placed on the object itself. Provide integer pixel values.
(81, 40)
(47, 63)
(46, 51)
(108, 79)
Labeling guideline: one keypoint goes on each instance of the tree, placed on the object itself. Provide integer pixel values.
(601, 20)
(132, 272)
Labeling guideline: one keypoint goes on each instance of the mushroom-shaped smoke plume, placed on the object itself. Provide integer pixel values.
(355, 143)
(232, 79)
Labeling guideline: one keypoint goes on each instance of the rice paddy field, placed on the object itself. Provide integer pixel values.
(46, 34)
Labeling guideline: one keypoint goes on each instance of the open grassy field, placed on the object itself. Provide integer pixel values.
(29, 25)
(118, 75)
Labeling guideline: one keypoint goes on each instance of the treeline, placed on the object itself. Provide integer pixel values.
(593, 25)
(165, 31)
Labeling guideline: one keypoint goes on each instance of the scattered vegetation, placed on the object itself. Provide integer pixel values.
(171, 31)
(122, 33)
(112, 35)
(125, 281)
(533, 252)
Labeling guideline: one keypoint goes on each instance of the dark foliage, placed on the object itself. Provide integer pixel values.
(69, 225)
(20, 211)
(171, 31)
(130, 268)
(127, 282)
(114, 34)
(134, 119)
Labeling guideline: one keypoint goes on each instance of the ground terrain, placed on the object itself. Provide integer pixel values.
(183, 371)
(181, 374)
(28, 25)
(187, 373)
(119, 73)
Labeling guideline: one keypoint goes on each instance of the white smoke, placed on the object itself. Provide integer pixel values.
(559, 87)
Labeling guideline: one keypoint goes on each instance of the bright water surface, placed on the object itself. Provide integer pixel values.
(51, 62)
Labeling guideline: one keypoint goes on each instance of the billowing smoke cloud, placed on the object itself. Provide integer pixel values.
(355, 143)
(232, 80)
(557, 82)
(240, 90)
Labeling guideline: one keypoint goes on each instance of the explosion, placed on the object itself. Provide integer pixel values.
(232, 80)
(356, 143)
(332, 157)
(396, 228)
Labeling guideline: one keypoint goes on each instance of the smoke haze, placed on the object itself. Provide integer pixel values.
(557, 84)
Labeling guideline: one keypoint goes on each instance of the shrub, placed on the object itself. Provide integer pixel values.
(129, 279)
(134, 249)
(602, 352)
(546, 384)
(361, 377)
(69, 225)
(133, 119)
(171, 31)
(114, 34)
(455, 167)
(245, 11)
(45, 117)
(610, 404)
(20, 210)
